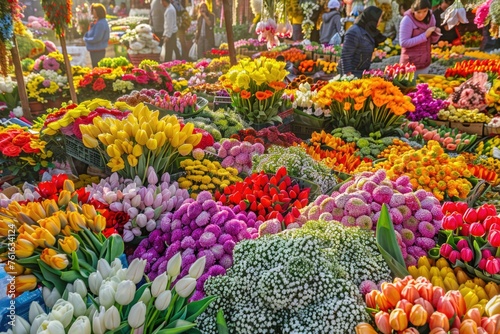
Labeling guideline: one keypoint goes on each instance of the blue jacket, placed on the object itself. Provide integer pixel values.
(357, 51)
(97, 37)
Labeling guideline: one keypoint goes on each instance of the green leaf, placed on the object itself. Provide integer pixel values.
(71, 276)
(477, 253)
(221, 323)
(180, 315)
(52, 276)
(178, 326)
(74, 261)
(194, 309)
(388, 245)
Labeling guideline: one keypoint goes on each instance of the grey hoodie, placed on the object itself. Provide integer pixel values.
(330, 26)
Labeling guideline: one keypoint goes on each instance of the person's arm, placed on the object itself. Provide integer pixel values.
(98, 35)
(436, 35)
(169, 23)
(338, 25)
(351, 43)
(405, 32)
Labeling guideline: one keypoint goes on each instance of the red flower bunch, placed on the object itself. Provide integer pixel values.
(150, 76)
(482, 172)
(58, 13)
(473, 238)
(217, 53)
(267, 137)
(115, 221)
(51, 189)
(269, 197)
(467, 67)
(15, 141)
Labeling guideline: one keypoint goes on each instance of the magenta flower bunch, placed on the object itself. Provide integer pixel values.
(238, 154)
(200, 227)
(179, 103)
(146, 204)
(425, 105)
(416, 215)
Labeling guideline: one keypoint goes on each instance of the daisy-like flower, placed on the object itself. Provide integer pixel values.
(51, 64)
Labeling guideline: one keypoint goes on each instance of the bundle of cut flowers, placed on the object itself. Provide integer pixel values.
(472, 239)
(178, 102)
(417, 304)
(150, 76)
(220, 123)
(199, 228)
(104, 81)
(431, 169)
(451, 139)
(206, 175)
(46, 84)
(135, 208)
(268, 137)
(140, 40)
(268, 196)
(425, 105)
(237, 154)
(298, 164)
(138, 96)
(358, 202)
(285, 283)
(304, 101)
(467, 68)
(54, 61)
(113, 303)
(114, 62)
(472, 93)
(56, 241)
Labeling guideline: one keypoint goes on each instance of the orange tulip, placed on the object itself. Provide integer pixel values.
(382, 322)
(446, 307)
(391, 293)
(473, 314)
(404, 305)
(437, 293)
(382, 302)
(268, 93)
(425, 304)
(261, 96)
(410, 293)
(370, 298)
(468, 326)
(425, 290)
(245, 94)
(418, 315)
(25, 283)
(410, 331)
(398, 319)
(458, 302)
(439, 320)
(438, 330)
(364, 328)
(489, 324)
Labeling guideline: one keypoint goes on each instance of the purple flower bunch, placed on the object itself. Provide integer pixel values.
(238, 154)
(425, 105)
(146, 204)
(416, 215)
(45, 62)
(200, 227)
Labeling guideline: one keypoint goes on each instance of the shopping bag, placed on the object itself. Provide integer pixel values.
(193, 52)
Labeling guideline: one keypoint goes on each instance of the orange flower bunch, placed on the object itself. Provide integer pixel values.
(307, 66)
(398, 147)
(431, 169)
(371, 104)
(326, 139)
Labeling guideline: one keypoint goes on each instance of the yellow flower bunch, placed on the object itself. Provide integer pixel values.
(369, 105)
(251, 74)
(47, 237)
(140, 140)
(431, 169)
(206, 175)
(40, 88)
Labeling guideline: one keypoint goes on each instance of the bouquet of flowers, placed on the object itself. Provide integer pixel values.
(141, 40)
(425, 105)
(54, 61)
(369, 105)
(107, 82)
(150, 75)
(472, 93)
(58, 14)
(47, 84)
(8, 93)
(303, 101)
(256, 87)
(177, 103)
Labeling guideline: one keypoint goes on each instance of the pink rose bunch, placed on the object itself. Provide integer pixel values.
(238, 154)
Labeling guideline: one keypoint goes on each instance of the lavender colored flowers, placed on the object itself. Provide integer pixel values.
(425, 105)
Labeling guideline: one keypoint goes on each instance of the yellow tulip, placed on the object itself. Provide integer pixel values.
(127, 147)
(54, 259)
(185, 149)
(89, 141)
(14, 269)
(160, 138)
(123, 135)
(25, 283)
(44, 237)
(69, 185)
(76, 221)
(25, 228)
(102, 138)
(169, 132)
(62, 218)
(24, 248)
(137, 150)
(175, 140)
(141, 137)
(112, 151)
(127, 127)
(116, 164)
(146, 127)
(152, 144)
(64, 198)
(113, 129)
(160, 126)
(69, 244)
(99, 122)
(188, 129)
(66, 231)
(89, 211)
(98, 224)
(37, 211)
(92, 130)
(132, 160)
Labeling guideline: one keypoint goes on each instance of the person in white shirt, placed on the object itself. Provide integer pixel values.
(170, 31)
(156, 20)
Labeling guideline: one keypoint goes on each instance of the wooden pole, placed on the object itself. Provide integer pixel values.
(21, 87)
(228, 18)
(69, 74)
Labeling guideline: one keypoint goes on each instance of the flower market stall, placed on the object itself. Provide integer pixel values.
(270, 195)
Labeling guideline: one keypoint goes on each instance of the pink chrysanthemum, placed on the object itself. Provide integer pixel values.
(366, 287)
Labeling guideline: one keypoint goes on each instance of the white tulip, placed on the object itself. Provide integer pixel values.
(51, 327)
(104, 268)
(174, 266)
(98, 326)
(159, 285)
(81, 326)
(21, 326)
(78, 304)
(37, 322)
(197, 268)
(146, 296)
(137, 315)
(106, 295)
(125, 292)
(95, 281)
(135, 270)
(185, 286)
(62, 312)
(50, 297)
(112, 318)
(35, 310)
(116, 265)
(163, 300)
(80, 288)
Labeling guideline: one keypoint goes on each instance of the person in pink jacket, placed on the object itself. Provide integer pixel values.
(416, 33)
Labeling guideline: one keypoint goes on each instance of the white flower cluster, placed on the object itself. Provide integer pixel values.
(7, 85)
(287, 283)
(60, 80)
(304, 100)
(298, 164)
(122, 86)
(141, 40)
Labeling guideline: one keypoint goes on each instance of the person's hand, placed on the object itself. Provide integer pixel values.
(438, 30)
(429, 31)
(165, 39)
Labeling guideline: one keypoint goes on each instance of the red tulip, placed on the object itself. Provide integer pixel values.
(494, 238)
(492, 266)
(449, 223)
(425, 304)
(445, 250)
(470, 216)
(425, 290)
(410, 293)
(461, 207)
(404, 305)
(458, 302)
(449, 207)
(482, 213)
(446, 307)
(454, 256)
(465, 230)
(491, 209)
(462, 243)
(482, 264)
(486, 253)
(490, 220)
(466, 254)
(477, 229)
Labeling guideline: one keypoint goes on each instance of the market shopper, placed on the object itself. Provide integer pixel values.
(170, 31)
(360, 41)
(96, 39)
(156, 19)
(416, 34)
(331, 22)
(449, 35)
(205, 37)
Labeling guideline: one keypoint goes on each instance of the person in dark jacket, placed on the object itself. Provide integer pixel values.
(448, 35)
(205, 37)
(360, 41)
(96, 39)
(331, 22)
